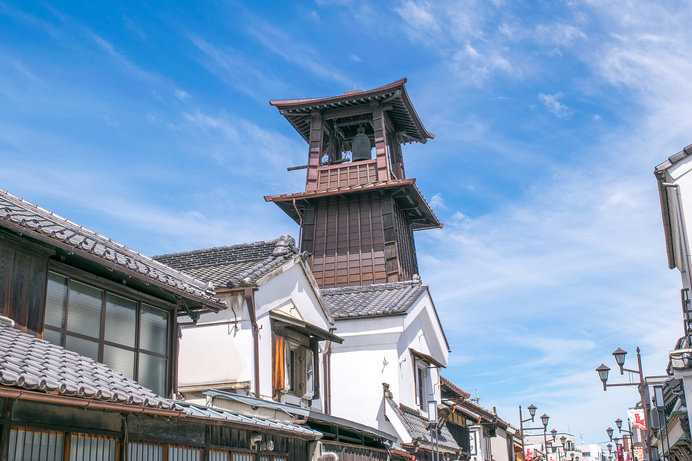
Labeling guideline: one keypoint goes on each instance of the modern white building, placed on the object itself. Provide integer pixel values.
(674, 178)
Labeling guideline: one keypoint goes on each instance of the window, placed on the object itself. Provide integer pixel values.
(423, 386)
(129, 336)
(293, 365)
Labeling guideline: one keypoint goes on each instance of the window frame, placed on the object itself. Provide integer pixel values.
(298, 344)
(107, 287)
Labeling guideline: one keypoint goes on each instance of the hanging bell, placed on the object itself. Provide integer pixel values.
(361, 147)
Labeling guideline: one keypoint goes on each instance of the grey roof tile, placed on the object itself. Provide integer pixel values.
(15, 211)
(233, 266)
(673, 159)
(224, 415)
(417, 427)
(31, 363)
(373, 300)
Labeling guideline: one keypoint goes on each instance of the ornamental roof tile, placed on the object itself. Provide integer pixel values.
(30, 363)
(33, 221)
(374, 300)
(233, 266)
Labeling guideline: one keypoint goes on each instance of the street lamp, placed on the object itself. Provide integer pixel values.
(554, 434)
(609, 431)
(618, 423)
(544, 419)
(603, 370)
(532, 414)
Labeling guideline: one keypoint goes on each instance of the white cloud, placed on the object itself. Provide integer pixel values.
(181, 95)
(552, 103)
(436, 201)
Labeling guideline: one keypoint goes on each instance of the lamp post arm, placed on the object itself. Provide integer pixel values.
(631, 371)
(622, 384)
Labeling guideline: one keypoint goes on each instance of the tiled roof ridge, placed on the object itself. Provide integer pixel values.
(196, 287)
(673, 159)
(454, 387)
(416, 281)
(32, 363)
(285, 245)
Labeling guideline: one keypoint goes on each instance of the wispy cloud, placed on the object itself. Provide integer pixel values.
(552, 103)
(295, 51)
(238, 72)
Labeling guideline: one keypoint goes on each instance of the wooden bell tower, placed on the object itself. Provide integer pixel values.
(358, 211)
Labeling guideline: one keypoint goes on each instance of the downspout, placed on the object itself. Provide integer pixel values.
(326, 359)
(249, 293)
(683, 238)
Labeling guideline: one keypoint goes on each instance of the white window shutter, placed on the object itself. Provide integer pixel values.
(287, 367)
(310, 374)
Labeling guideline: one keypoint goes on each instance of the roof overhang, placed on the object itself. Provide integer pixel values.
(393, 95)
(303, 327)
(425, 358)
(302, 412)
(404, 191)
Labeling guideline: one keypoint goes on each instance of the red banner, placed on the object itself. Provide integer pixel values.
(636, 415)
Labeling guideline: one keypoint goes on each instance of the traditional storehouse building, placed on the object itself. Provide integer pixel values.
(268, 354)
(270, 342)
(490, 438)
(357, 216)
(88, 354)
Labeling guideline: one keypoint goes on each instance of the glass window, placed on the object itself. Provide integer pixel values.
(152, 373)
(56, 299)
(132, 330)
(120, 359)
(52, 336)
(82, 346)
(120, 320)
(84, 309)
(153, 329)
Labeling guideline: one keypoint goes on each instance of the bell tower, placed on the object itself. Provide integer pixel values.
(358, 212)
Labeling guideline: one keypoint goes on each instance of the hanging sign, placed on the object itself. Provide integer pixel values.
(530, 454)
(636, 415)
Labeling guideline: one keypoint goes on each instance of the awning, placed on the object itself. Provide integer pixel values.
(301, 326)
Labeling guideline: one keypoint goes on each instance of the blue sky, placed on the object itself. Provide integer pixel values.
(149, 122)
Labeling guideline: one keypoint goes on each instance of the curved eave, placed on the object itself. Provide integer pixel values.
(403, 113)
(206, 303)
(416, 207)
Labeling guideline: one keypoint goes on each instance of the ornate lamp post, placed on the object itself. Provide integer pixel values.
(532, 414)
(618, 423)
(544, 419)
(603, 370)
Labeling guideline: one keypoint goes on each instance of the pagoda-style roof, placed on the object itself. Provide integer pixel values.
(401, 112)
(408, 198)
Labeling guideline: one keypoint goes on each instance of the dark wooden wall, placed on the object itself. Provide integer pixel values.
(23, 271)
(358, 239)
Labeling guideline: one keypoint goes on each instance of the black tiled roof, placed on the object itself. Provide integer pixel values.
(417, 427)
(33, 221)
(373, 300)
(233, 266)
(30, 363)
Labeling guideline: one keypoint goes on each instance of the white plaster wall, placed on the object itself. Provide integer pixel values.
(366, 359)
(376, 350)
(218, 349)
(423, 334)
(498, 446)
(681, 174)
